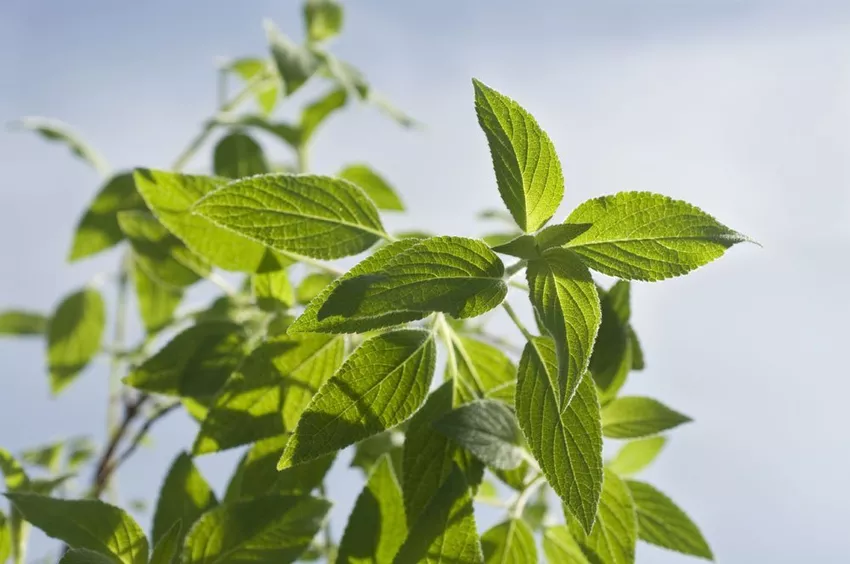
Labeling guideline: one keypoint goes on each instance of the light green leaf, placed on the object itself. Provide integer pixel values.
(483, 371)
(620, 295)
(272, 528)
(168, 546)
(85, 556)
(645, 236)
(662, 523)
(311, 286)
(381, 384)
(376, 527)
(565, 298)
(614, 535)
(488, 429)
(516, 478)
(376, 188)
(15, 480)
(346, 75)
(184, 496)
(568, 444)
(266, 395)
(636, 455)
(510, 541)
(48, 457)
(157, 300)
(194, 364)
(323, 19)
(74, 334)
(237, 155)
(633, 417)
(273, 290)
(317, 216)
(295, 64)
(560, 546)
(315, 113)
(80, 451)
(55, 130)
(6, 538)
(263, 75)
(84, 523)
(445, 531)
(170, 196)
(497, 239)
(528, 171)
(18, 322)
(611, 360)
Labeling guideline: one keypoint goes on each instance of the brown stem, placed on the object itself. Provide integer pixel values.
(104, 466)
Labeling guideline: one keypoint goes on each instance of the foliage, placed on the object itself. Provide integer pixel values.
(302, 360)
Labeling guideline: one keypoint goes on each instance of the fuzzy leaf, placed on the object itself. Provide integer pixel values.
(488, 429)
(59, 132)
(184, 496)
(510, 541)
(295, 64)
(21, 323)
(376, 188)
(636, 455)
(74, 334)
(633, 417)
(323, 19)
(483, 371)
(237, 155)
(614, 535)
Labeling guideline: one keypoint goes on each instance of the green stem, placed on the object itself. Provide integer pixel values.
(303, 153)
(515, 267)
(522, 500)
(515, 318)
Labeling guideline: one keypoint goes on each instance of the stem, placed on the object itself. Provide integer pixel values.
(142, 433)
(443, 327)
(114, 393)
(303, 153)
(521, 501)
(104, 466)
(518, 285)
(512, 314)
(515, 267)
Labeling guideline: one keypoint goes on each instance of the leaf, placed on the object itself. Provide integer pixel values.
(645, 236)
(528, 171)
(445, 532)
(488, 429)
(168, 546)
(194, 364)
(368, 451)
(376, 188)
(6, 538)
(636, 455)
(85, 556)
(564, 296)
(381, 384)
(454, 275)
(510, 541)
(48, 457)
(662, 523)
(170, 197)
(80, 451)
(273, 290)
(633, 417)
(637, 352)
(497, 239)
(566, 444)
(263, 76)
(317, 216)
(20, 323)
(612, 354)
(286, 132)
(267, 394)
(323, 19)
(89, 524)
(559, 545)
(295, 64)
(55, 130)
(98, 229)
(74, 334)
(157, 301)
(614, 535)
(523, 246)
(272, 528)
(483, 371)
(15, 480)
(237, 155)
(317, 112)
(376, 527)
(311, 286)
(184, 496)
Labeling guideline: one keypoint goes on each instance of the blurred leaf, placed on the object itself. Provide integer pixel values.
(295, 64)
(559, 545)
(6, 539)
(611, 360)
(368, 451)
(21, 323)
(312, 285)
(509, 541)
(273, 290)
(376, 188)
(237, 155)
(85, 556)
(483, 371)
(317, 112)
(157, 301)
(636, 455)
(266, 91)
(55, 130)
(48, 457)
(323, 19)
(74, 335)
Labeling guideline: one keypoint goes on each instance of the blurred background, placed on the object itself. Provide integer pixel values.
(741, 107)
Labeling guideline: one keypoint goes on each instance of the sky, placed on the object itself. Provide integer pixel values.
(740, 107)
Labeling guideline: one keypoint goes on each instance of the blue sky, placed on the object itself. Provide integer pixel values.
(741, 107)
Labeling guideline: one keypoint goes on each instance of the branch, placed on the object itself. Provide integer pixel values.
(104, 467)
(142, 433)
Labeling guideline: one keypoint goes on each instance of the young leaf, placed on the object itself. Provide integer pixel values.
(317, 216)
(317, 112)
(488, 429)
(168, 546)
(272, 528)
(273, 290)
(510, 541)
(636, 455)
(323, 19)
(295, 64)
(528, 171)
(634, 417)
(611, 360)
(74, 333)
(381, 384)
(89, 524)
(55, 130)
(645, 236)
(662, 523)
(311, 286)
(483, 371)
(376, 188)
(567, 444)
(614, 535)
(266, 91)
(21, 323)
(184, 496)
(445, 531)
(559, 545)
(157, 300)
(376, 527)
(266, 395)
(564, 296)
(237, 155)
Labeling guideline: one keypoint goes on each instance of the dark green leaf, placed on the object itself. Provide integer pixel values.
(636, 455)
(510, 541)
(634, 417)
(638, 362)
(237, 155)
(488, 429)
(524, 247)
(376, 188)
(157, 301)
(74, 334)
(85, 556)
(184, 496)
(295, 64)
(323, 19)
(80, 451)
(168, 546)
(612, 354)
(48, 457)
(368, 451)
(317, 112)
(614, 535)
(55, 130)
(17, 322)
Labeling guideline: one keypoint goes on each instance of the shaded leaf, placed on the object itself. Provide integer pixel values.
(74, 335)
(157, 301)
(184, 496)
(168, 546)
(510, 541)
(19, 322)
(368, 451)
(638, 362)
(59, 132)
(633, 417)
(488, 429)
(273, 290)
(6, 538)
(524, 247)
(295, 64)
(48, 457)
(311, 286)
(483, 371)
(237, 155)
(614, 535)
(315, 113)
(636, 455)
(376, 188)
(611, 360)
(85, 556)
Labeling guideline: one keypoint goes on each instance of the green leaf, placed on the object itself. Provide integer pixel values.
(311, 286)
(317, 216)
(662, 523)
(272, 528)
(89, 524)
(497, 239)
(266, 395)
(194, 364)
(516, 478)
(454, 275)
(98, 229)
(633, 417)
(559, 545)
(620, 295)
(18, 322)
(645, 236)
(381, 384)
(376, 188)
(171, 196)
(614, 535)
(157, 300)
(74, 334)
(286, 132)
(611, 360)
(323, 19)
(295, 64)
(80, 451)
(237, 155)
(6, 538)
(445, 531)
(317, 112)
(524, 247)
(168, 546)
(510, 541)
(15, 480)
(528, 171)
(273, 290)
(483, 371)
(564, 296)
(48, 457)
(488, 429)
(59, 132)
(567, 444)
(266, 91)
(638, 362)
(376, 527)
(368, 451)
(85, 556)
(315, 320)
(184, 496)
(636, 455)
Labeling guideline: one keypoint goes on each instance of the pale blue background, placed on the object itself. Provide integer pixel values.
(742, 107)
